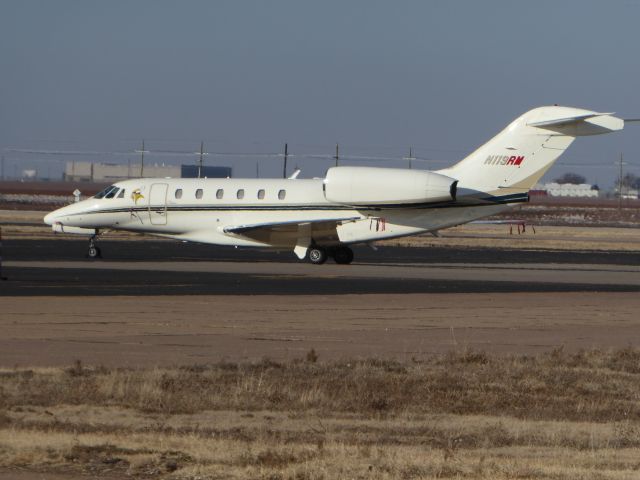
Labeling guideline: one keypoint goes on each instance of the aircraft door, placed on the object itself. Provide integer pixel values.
(158, 203)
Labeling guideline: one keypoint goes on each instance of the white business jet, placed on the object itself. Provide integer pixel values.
(321, 218)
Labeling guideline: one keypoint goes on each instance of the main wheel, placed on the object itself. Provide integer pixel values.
(343, 255)
(317, 255)
(94, 252)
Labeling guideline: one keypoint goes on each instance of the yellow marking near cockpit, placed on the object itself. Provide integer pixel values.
(136, 195)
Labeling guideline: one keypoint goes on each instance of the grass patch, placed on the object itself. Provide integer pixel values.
(463, 415)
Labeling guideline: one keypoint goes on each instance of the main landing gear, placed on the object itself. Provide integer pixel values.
(342, 255)
(94, 250)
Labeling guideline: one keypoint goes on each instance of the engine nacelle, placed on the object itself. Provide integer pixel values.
(387, 186)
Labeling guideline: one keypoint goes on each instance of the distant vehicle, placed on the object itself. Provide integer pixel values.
(321, 218)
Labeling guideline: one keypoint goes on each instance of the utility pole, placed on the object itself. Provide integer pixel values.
(142, 152)
(286, 156)
(410, 158)
(201, 159)
(620, 183)
(336, 157)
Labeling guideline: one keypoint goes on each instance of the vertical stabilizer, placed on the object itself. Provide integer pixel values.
(516, 158)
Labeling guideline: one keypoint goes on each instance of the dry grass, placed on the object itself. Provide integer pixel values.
(464, 415)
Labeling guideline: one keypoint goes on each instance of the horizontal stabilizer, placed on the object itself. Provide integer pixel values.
(567, 120)
(589, 123)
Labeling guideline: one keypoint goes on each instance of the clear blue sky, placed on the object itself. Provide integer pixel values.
(378, 77)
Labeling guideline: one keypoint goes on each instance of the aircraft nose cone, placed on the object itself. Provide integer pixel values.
(49, 218)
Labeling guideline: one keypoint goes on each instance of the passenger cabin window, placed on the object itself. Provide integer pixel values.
(261, 194)
(240, 194)
(179, 194)
(199, 193)
(121, 194)
(112, 193)
(219, 193)
(282, 194)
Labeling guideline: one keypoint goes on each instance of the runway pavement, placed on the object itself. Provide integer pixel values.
(161, 268)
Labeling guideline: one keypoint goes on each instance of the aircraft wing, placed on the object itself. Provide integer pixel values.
(295, 233)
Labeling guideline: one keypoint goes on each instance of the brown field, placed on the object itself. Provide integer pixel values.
(462, 415)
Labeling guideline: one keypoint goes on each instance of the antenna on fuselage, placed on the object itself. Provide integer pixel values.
(336, 157)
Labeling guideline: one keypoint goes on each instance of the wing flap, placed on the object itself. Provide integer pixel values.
(294, 233)
(291, 225)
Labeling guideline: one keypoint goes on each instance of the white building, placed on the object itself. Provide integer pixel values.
(110, 172)
(628, 193)
(583, 190)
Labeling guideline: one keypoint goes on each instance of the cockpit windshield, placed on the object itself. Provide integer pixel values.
(112, 193)
(108, 192)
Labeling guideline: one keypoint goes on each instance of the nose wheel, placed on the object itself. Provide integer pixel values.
(94, 250)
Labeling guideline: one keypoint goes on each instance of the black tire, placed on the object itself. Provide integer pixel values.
(94, 252)
(317, 255)
(343, 255)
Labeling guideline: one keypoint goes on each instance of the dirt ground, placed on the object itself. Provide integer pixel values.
(177, 330)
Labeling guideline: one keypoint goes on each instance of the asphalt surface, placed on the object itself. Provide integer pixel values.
(154, 250)
(58, 268)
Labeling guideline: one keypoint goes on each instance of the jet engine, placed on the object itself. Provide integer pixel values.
(362, 186)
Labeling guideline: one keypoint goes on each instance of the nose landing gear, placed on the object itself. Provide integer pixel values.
(93, 251)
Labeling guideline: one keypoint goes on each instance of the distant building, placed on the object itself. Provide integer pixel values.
(583, 190)
(29, 174)
(111, 172)
(628, 193)
(191, 171)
